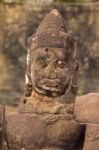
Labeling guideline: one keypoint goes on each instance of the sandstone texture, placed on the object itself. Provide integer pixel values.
(19, 21)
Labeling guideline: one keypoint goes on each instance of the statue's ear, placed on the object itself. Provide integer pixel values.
(29, 41)
(71, 46)
(28, 84)
(70, 42)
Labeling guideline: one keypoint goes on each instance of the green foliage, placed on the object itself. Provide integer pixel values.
(71, 1)
(75, 1)
(10, 98)
(80, 92)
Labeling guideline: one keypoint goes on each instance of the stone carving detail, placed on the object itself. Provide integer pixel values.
(51, 82)
(51, 64)
(45, 118)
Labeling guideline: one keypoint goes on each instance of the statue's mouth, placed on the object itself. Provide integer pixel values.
(50, 85)
(53, 89)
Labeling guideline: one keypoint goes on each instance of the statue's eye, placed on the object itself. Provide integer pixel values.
(61, 63)
(42, 61)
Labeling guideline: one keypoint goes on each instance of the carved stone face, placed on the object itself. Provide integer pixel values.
(50, 71)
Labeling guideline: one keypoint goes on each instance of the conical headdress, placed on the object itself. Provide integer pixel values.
(51, 32)
(53, 21)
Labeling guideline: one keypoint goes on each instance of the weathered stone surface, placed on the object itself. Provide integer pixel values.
(87, 112)
(18, 22)
(52, 68)
(32, 131)
(87, 108)
(45, 119)
(42, 104)
(91, 137)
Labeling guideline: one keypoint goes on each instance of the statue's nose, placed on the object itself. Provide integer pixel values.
(51, 71)
(52, 75)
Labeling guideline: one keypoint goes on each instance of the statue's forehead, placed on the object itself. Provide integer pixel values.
(59, 52)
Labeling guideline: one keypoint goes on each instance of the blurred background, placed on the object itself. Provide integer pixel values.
(20, 18)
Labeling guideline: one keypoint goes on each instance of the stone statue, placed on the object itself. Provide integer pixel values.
(87, 112)
(45, 118)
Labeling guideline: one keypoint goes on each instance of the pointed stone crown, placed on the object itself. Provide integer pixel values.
(53, 21)
(51, 32)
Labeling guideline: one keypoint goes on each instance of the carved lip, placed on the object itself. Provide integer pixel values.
(50, 88)
(50, 84)
(50, 81)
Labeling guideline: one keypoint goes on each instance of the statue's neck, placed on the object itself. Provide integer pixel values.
(65, 98)
(41, 104)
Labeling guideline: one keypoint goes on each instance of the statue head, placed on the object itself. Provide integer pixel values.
(53, 66)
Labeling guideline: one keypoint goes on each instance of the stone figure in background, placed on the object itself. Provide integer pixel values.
(45, 118)
(87, 112)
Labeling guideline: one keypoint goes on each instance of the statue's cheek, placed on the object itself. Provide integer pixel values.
(63, 73)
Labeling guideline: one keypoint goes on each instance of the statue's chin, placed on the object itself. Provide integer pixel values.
(48, 91)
